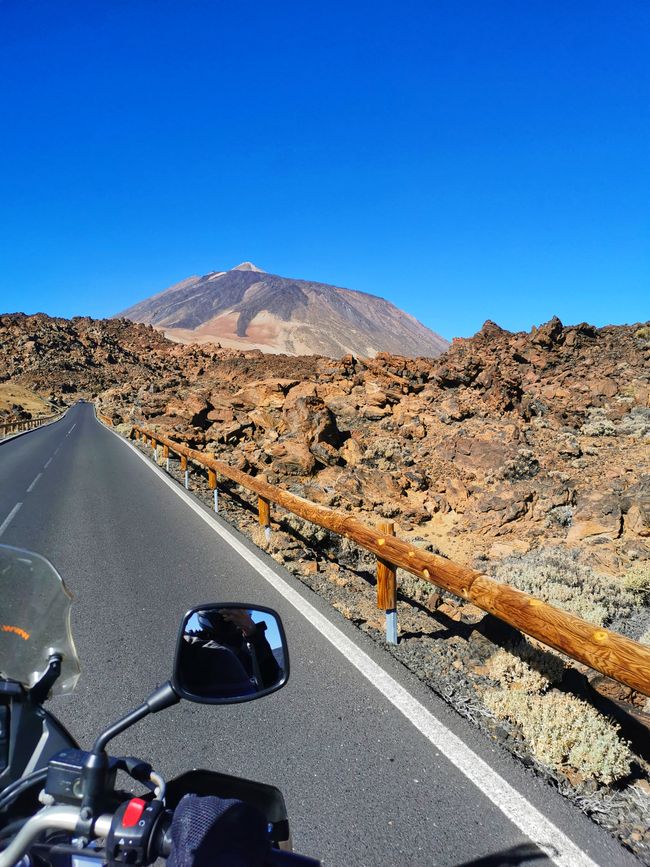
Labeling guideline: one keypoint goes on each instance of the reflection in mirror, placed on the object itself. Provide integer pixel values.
(228, 654)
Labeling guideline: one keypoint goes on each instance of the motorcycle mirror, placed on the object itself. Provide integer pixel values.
(230, 652)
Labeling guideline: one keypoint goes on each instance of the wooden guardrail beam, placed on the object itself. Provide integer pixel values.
(606, 651)
(9, 427)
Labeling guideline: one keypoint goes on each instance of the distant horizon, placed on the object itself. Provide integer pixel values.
(449, 339)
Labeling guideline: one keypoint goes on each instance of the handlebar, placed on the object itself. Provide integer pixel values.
(48, 819)
(65, 818)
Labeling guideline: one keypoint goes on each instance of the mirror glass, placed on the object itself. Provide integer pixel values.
(230, 653)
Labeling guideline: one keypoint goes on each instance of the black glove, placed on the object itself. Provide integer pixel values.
(213, 832)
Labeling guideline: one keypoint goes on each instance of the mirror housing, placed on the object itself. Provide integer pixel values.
(230, 652)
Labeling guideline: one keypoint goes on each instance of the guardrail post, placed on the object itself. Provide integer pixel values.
(264, 510)
(166, 457)
(186, 471)
(212, 484)
(387, 587)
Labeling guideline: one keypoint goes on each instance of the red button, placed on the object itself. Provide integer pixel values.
(133, 812)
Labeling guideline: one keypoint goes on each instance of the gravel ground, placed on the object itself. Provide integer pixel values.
(445, 642)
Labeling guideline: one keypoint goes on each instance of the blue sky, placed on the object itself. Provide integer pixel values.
(466, 160)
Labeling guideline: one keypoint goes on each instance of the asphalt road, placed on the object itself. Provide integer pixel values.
(363, 786)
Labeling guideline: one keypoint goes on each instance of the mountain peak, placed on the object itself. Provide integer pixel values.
(247, 266)
(247, 308)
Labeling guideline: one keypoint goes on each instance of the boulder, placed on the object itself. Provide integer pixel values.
(291, 457)
(192, 408)
(596, 514)
(266, 393)
(308, 419)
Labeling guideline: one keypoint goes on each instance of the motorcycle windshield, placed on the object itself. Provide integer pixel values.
(34, 620)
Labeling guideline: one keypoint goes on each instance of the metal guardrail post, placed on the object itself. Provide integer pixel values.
(212, 484)
(387, 587)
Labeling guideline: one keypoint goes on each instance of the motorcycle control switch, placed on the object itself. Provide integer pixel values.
(132, 828)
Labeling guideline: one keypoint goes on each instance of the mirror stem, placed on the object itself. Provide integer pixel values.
(95, 769)
(160, 699)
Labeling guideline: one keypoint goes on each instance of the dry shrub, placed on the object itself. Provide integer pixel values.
(637, 581)
(525, 667)
(565, 733)
(598, 425)
(636, 423)
(556, 576)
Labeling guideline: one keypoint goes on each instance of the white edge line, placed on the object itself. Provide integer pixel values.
(31, 487)
(523, 815)
(47, 463)
(9, 518)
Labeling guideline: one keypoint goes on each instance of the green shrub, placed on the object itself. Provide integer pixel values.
(643, 333)
(565, 733)
(556, 576)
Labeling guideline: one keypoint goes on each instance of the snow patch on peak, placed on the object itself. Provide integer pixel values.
(248, 266)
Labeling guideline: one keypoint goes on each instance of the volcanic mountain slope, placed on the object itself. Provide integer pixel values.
(247, 308)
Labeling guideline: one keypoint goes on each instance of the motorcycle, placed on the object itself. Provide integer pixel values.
(61, 805)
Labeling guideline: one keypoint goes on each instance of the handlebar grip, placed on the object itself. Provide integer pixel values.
(210, 830)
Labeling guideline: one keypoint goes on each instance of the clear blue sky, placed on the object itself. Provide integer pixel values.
(465, 159)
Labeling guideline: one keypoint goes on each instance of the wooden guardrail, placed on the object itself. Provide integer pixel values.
(606, 651)
(12, 427)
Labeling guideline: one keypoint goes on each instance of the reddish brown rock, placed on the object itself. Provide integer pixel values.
(507, 442)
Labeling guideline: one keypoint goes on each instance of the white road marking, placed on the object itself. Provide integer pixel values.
(56, 449)
(9, 518)
(523, 815)
(31, 487)
(71, 429)
(49, 461)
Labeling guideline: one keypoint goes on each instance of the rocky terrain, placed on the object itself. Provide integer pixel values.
(246, 308)
(506, 443)
(524, 455)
